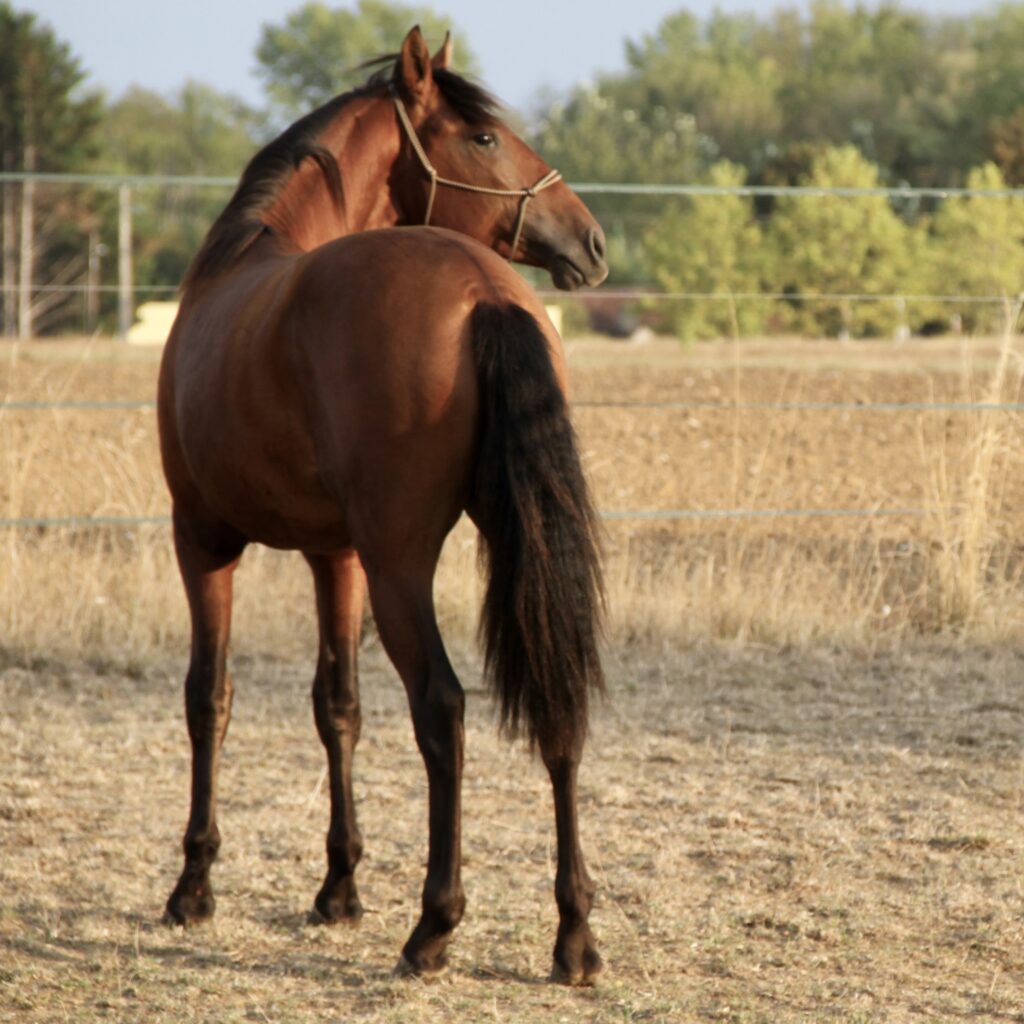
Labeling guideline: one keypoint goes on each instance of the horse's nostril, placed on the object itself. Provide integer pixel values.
(595, 244)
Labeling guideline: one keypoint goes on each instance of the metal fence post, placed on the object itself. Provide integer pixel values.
(28, 249)
(125, 307)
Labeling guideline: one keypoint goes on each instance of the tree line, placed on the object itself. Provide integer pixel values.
(834, 95)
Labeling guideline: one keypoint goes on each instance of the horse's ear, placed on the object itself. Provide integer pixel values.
(413, 74)
(442, 60)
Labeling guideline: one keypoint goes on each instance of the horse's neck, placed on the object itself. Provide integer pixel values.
(306, 213)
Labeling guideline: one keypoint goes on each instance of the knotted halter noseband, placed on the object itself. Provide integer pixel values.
(524, 194)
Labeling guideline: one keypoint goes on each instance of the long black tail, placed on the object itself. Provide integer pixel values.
(541, 616)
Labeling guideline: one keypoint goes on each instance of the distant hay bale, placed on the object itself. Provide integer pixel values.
(153, 324)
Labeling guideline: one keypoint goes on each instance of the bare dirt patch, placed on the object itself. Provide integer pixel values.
(775, 837)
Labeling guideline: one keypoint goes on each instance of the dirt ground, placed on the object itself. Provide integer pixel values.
(775, 837)
(814, 831)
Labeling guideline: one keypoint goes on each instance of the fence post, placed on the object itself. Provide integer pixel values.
(10, 258)
(28, 231)
(125, 310)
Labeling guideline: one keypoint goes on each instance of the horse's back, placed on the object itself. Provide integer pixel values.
(396, 279)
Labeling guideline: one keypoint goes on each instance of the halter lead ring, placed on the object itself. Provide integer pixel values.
(524, 194)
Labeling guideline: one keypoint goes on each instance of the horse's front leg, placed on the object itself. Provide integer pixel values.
(207, 574)
(340, 586)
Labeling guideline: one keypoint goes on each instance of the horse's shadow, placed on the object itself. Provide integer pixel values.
(165, 945)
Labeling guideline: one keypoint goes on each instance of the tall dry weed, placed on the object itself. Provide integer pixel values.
(973, 574)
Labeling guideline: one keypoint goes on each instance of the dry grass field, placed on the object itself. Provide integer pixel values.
(803, 801)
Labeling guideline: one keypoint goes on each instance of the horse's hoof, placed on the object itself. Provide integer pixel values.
(175, 919)
(406, 969)
(585, 975)
(348, 911)
(185, 910)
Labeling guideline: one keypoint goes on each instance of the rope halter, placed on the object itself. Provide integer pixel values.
(523, 194)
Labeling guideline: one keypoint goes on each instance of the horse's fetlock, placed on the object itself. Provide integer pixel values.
(344, 854)
(574, 898)
(202, 849)
(444, 909)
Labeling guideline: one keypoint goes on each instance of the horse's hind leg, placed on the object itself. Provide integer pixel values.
(340, 586)
(207, 566)
(404, 614)
(576, 959)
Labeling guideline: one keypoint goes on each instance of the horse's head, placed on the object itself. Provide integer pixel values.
(462, 167)
(417, 144)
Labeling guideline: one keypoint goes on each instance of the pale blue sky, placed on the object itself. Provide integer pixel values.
(523, 45)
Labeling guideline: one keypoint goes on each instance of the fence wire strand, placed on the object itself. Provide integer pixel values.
(72, 405)
(611, 515)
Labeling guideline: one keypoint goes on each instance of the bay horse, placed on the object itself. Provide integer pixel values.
(342, 385)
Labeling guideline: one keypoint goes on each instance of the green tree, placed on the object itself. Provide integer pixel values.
(712, 245)
(883, 79)
(317, 52)
(197, 131)
(770, 94)
(977, 248)
(996, 79)
(595, 137)
(897, 84)
(721, 74)
(840, 245)
(1006, 142)
(47, 123)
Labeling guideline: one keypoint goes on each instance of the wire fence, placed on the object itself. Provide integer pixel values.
(116, 181)
(35, 405)
(125, 222)
(127, 522)
(92, 285)
(631, 294)
(609, 515)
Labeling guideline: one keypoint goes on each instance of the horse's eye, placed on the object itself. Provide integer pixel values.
(485, 139)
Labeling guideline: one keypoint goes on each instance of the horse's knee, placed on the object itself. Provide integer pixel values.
(445, 700)
(574, 896)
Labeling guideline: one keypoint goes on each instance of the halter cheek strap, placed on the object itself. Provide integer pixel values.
(523, 194)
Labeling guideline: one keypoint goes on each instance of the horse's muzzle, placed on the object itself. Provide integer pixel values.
(579, 265)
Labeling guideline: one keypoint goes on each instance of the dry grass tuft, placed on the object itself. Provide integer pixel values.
(973, 575)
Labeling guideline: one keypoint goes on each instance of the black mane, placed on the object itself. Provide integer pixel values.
(241, 221)
(472, 102)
